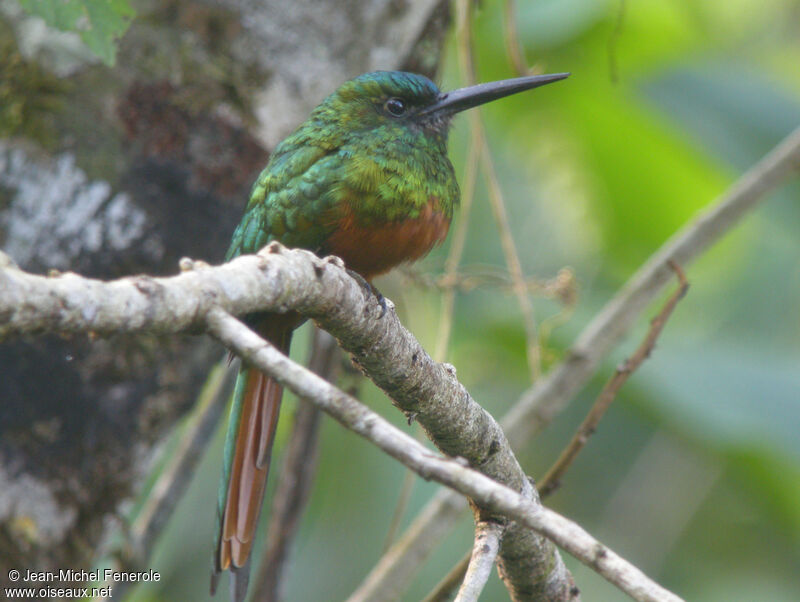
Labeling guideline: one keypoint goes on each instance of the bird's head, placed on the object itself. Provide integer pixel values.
(395, 102)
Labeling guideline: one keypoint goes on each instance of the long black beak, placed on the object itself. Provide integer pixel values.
(472, 96)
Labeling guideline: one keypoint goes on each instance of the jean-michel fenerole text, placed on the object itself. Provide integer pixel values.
(84, 576)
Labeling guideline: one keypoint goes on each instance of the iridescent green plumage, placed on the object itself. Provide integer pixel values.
(351, 156)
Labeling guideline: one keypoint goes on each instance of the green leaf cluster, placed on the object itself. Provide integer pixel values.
(100, 23)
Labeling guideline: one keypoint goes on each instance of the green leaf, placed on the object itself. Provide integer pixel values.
(100, 23)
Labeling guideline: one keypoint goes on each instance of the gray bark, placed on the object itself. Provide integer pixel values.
(117, 171)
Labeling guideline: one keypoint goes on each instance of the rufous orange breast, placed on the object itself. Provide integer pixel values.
(374, 249)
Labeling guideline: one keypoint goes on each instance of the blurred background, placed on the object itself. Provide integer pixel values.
(694, 473)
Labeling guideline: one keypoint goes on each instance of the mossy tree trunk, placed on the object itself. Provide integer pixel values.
(114, 171)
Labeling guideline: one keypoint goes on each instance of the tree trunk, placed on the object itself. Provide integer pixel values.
(114, 171)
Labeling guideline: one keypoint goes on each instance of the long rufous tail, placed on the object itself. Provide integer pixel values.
(248, 449)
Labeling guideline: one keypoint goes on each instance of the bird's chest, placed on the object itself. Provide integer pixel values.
(374, 247)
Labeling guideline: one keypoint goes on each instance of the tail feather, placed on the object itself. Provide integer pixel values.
(270, 417)
(246, 493)
(239, 581)
(248, 449)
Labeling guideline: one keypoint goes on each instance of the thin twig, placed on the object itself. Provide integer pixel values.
(486, 492)
(561, 287)
(297, 476)
(550, 395)
(170, 485)
(513, 262)
(444, 589)
(552, 480)
(395, 569)
(496, 200)
(511, 37)
(484, 552)
(457, 243)
(406, 488)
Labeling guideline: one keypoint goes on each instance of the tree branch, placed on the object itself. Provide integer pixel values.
(552, 480)
(484, 552)
(278, 279)
(550, 395)
(162, 170)
(483, 490)
(281, 279)
(32, 303)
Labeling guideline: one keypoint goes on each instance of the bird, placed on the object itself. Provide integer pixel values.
(366, 178)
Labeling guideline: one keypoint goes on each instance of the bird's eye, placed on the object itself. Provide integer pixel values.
(395, 107)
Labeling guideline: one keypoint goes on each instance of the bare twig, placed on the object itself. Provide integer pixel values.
(442, 591)
(467, 67)
(406, 488)
(484, 552)
(456, 251)
(548, 397)
(486, 492)
(395, 569)
(297, 475)
(511, 37)
(561, 287)
(513, 262)
(552, 480)
(170, 485)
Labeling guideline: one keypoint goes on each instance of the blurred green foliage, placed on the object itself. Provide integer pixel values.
(100, 23)
(694, 475)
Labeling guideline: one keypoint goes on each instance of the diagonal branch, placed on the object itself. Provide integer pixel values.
(550, 395)
(486, 492)
(552, 480)
(395, 569)
(69, 303)
(284, 279)
(278, 279)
